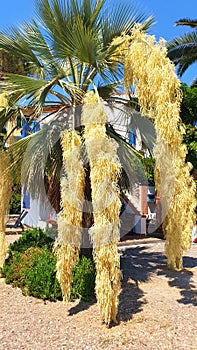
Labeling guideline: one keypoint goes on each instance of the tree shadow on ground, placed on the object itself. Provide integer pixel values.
(183, 280)
(138, 265)
(81, 306)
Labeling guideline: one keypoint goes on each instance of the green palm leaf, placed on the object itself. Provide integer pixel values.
(74, 44)
(35, 154)
(187, 22)
(183, 51)
(13, 41)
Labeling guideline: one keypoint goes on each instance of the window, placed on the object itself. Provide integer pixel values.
(132, 138)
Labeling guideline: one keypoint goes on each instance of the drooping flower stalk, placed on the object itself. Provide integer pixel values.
(70, 217)
(3, 100)
(105, 170)
(5, 194)
(158, 88)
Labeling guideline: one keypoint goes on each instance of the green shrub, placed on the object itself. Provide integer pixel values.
(15, 201)
(149, 166)
(32, 238)
(41, 281)
(34, 272)
(83, 280)
(14, 269)
(32, 264)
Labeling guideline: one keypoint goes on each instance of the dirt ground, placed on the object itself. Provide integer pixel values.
(158, 309)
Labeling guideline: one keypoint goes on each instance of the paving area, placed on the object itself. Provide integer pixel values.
(157, 310)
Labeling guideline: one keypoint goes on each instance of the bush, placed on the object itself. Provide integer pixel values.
(31, 266)
(149, 166)
(32, 238)
(14, 269)
(34, 272)
(15, 203)
(83, 280)
(15, 200)
(41, 281)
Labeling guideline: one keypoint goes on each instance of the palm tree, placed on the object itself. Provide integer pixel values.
(67, 50)
(73, 47)
(183, 50)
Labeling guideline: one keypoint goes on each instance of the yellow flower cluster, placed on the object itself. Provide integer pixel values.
(108, 279)
(70, 217)
(5, 194)
(150, 70)
(105, 171)
(67, 258)
(3, 101)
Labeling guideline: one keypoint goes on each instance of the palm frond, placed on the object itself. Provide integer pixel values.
(194, 83)
(148, 23)
(73, 44)
(106, 91)
(33, 91)
(33, 154)
(13, 41)
(7, 114)
(183, 51)
(122, 19)
(16, 152)
(186, 22)
(66, 49)
(43, 50)
(91, 12)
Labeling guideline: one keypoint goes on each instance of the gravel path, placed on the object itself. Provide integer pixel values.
(158, 310)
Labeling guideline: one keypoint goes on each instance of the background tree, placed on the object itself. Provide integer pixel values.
(189, 118)
(189, 105)
(190, 139)
(183, 52)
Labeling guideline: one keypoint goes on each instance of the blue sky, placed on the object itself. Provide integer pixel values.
(166, 12)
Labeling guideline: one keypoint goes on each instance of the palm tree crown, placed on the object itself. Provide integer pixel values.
(66, 48)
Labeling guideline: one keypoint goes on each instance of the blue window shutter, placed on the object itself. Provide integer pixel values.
(132, 138)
